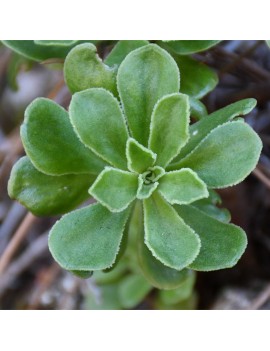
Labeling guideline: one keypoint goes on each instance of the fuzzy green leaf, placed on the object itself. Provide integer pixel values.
(51, 143)
(115, 189)
(148, 182)
(198, 131)
(159, 275)
(122, 249)
(153, 174)
(38, 51)
(226, 156)
(222, 244)
(132, 290)
(197, 109)
(183, 292)
(99, 122)
(145, 190)
(182, 187)
(83, 69)
(169, 127)
(46, 195)
(87, 239)
(139, 157)
(122, 49)
(221, 214)
(197, 79)
(156, 75)
(187, 47)
(167, 236)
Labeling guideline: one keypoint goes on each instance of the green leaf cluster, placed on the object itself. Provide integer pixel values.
(126, 287)
(127, 142)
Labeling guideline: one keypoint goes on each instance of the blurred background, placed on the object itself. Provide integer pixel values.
(29, 277)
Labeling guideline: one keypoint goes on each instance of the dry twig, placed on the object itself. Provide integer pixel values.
(261, 299)
(34, 251)
(8, 226)
(16, 240)
(259, 174)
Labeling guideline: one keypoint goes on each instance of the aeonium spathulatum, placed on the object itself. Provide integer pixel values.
(137, 146)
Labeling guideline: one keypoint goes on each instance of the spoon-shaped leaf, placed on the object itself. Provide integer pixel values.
(84, 69)
(167, 236)
(99, 122)
(222, 244)
(46, 195)
(115, 189)
(182, 187)
(145, 76)
(198, 131)
(159, 275)
(169, 127)
(51, 143)
(87, 239)
(226, 156)
(139, 157)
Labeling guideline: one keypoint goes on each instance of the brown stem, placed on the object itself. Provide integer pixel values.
(37, 249)
(237, 59)
(261, 299)
(259, 174)
(17, 238)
